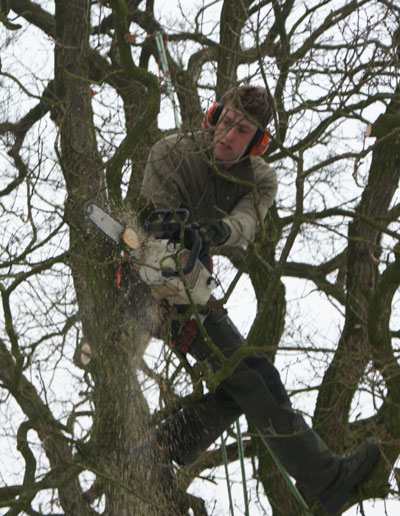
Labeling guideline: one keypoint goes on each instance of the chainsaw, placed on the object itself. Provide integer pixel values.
(172, 271)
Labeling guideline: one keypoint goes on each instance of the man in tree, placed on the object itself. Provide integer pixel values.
(218, 175)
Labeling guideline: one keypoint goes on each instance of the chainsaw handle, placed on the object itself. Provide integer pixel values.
(193, 255)
(165, 221)
(194, 251)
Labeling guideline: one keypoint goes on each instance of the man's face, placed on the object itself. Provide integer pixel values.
(232, 135)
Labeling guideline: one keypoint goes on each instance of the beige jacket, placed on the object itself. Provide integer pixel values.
(180, 173)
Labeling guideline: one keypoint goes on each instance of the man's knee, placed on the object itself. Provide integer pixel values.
(267, 370)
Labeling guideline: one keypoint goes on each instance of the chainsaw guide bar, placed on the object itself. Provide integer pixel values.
(110, 226)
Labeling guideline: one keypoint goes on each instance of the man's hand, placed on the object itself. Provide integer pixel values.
(213, 232)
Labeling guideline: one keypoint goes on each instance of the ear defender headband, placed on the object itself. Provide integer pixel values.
(258, 144)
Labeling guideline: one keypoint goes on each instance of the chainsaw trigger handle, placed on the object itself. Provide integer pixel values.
(193, 255)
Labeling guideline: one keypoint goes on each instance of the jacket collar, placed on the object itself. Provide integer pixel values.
(242, 170)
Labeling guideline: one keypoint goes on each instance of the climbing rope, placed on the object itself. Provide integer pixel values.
(296, 493)
(164, 67)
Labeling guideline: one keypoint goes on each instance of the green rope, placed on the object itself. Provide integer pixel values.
(164, 66)
(306, 511)
(292, 487)
(225, 460)
(241, 457)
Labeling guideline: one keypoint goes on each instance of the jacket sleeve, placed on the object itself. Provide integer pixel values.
(243, 219)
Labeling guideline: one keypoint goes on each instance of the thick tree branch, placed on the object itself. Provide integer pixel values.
(48, 428)
(149, 81)
(354, 350)
(35, 14)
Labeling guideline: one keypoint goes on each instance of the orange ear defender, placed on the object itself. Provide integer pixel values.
(210, 119)
(262, 141)
(258, 144)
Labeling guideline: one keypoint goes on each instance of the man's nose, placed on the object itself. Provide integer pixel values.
(230, 134)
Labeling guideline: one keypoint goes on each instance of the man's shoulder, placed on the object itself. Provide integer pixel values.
(260, 165)
(261, 169)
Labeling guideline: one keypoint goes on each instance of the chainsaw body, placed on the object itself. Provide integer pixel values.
(171, 271)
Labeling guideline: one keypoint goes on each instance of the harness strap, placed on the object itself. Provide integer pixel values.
(183, 340)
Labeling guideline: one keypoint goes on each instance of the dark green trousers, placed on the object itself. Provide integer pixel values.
(254, 389)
